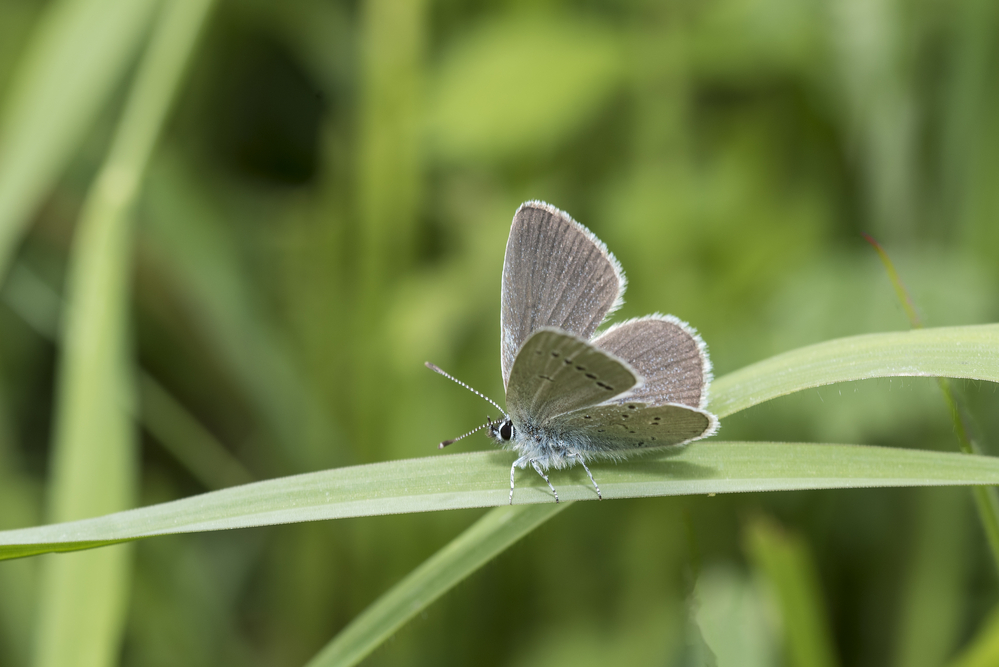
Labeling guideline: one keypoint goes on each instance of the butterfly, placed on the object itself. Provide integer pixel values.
(573, 394)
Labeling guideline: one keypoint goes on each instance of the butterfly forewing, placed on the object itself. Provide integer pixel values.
(668, 354)
(621, 429)
(555, 274)
(555, 373)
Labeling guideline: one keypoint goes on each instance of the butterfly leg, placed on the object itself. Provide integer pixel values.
(545, 477)
(519, 462)
(589, 474)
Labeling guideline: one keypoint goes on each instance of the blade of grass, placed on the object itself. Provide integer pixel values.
(82, 602)
(388, 188)
(383, 618)
(787, 565)
(18, 505)
(983, 651)
(934, 584)
(481, 480)
(986, 498)
(386, 615)
(480, 543)
(79, 52)
(192, 249)
(475, 480)
(187, 439)
(970, 352)
(931, 616)
(173, 426)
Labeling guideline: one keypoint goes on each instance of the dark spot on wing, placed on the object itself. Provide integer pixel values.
(631, 407)
(586, 416)
(580, 368)
(554, 353)
(545, 377)
(605, 386)
(591, 376)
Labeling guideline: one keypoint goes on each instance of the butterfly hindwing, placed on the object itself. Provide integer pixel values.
(669, 355)
(621, 429)
(555, 373)
(556, 273)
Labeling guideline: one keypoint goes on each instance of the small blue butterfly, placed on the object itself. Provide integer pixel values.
(573, 398)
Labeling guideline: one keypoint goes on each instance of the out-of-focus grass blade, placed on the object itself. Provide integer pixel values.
(483, 541)
(933, 586)
(82, 604)
(734, 616)
(79, 52)
(19, 495)
(195, 249)
(481, 479)
(187, 439)
(180, 433)
(788, 567)
(958, 352)
(984, 648)
(935, 577)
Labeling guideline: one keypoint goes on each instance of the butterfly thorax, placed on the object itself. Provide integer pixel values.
(550, 447)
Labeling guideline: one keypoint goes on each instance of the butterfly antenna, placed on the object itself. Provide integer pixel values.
(474, 430)
(477, 393)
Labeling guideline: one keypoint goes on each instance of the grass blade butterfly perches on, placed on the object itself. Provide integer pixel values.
(475, 480)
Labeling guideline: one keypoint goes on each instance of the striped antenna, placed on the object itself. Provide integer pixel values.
(477, 393)
(444, 444)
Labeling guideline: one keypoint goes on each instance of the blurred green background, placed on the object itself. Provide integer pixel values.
(327, 208)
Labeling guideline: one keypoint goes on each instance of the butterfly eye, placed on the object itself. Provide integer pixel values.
(506, 430)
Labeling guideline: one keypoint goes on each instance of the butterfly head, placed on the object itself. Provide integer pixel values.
(503, 430)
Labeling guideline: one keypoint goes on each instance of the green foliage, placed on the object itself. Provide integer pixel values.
(325, 209)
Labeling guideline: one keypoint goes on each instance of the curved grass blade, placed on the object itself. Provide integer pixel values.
(481, 479)
(78, 54)
(986, 498)
(479, 544)
(475, 480)
(729, 397)
(983, 650)
(970, 352)
(83, 598)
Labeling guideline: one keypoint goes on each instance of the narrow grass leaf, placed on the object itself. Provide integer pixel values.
(986, 498)
(187, 439)
(476, 480)
(481, 479)
(83, 598)
(480, 543)
(79, 52)
(983, 651)
(970, 352)
(786, 563)
(173, 426)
